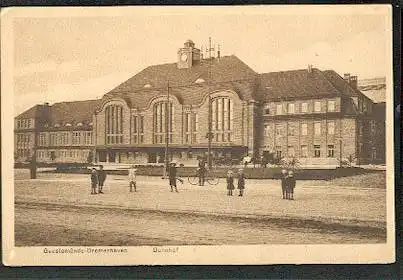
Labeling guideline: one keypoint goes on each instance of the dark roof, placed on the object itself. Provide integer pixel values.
(76, 111)
(340, 84)
(379, 110)
(227, 68)
(296, 84)
(29, 114)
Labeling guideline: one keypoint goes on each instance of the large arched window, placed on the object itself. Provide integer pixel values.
(114, 124)
(162, 120)
(222, 119)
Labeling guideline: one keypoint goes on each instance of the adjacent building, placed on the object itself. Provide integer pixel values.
(316, 116)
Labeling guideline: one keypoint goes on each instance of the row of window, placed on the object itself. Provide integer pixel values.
(291, 107)
(22, 153)
(114, 124)
(304, 151)
(63, 138)
(60, 154)
(24, 123)
(23, 138)
(293, 130)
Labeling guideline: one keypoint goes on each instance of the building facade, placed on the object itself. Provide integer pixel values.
(316, 116)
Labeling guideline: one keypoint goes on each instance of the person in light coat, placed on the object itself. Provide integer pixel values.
(132, 178)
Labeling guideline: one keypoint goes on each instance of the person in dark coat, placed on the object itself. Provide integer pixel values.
(241, 182)
(172, 176)
(202, 171)
(283, 182)
(101, 178)
(290, 182)
(94, 181)
(230, 182)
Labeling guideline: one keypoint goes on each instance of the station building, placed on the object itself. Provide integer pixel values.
(316, 116)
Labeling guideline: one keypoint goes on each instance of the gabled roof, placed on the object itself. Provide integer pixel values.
(73, 112)
(226, 68)
(296, 84)
(340, 84)
(29, 114)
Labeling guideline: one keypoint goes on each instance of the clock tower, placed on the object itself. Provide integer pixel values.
(188, 55)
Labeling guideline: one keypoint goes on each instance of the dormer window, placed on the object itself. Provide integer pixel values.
(147, 86)
(68, 124)
(79, 124)
(90, 124)
(199, 81)
(56, 125)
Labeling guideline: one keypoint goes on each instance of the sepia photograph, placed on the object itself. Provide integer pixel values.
(197, 135)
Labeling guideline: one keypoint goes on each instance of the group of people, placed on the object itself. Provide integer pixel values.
(230, 182)
(98, 178)
(288, 183)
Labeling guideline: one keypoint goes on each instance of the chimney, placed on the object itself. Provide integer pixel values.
(354, 82)
(309, 68)
(347, 77)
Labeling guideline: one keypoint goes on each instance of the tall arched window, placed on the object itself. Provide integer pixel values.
(162, 119)
(222, 119)
(114, 124)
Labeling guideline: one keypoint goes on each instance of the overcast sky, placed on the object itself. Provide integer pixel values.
(77, 58)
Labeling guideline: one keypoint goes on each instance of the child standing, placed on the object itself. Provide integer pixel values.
(101, 178)
(230, 182)
(94, 181)
(132, 178)
(241, 182)
(291, 182)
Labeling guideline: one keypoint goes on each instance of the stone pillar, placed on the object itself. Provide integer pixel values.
(251, 133)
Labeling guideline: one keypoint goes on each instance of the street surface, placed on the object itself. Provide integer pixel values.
(57, 209)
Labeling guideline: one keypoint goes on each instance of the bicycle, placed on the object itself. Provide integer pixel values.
(209, 178)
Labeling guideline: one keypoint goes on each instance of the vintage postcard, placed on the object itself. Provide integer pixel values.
(197, 135)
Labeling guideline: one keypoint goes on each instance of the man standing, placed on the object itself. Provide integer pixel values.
(172, 176)
(101, 178)
(202, 171)
(284, 182)
(94, 181)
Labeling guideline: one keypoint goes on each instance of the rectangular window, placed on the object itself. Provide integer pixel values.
(317, 128)
(304, 151)
(278, 152)
(88, 138)
(330, 105)
(291, 130)
(135, 130)
(64, 138)
(330, 127)
(291, 108)
(316, 150)
(304, 107)
(304, 129)
(291, 152)
(76, 137)
(42, 139)
(330, 151)
(317, 106)
(266, 130)
(279, 109)
(279, 129)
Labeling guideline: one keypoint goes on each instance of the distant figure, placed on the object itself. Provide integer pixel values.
(101, 178)
(290, 182)
(246, 160)
(172, 176)
(283, 182)
(132, 178)
(230, 182)
(241, 182)
(94, 181)
(201, 171)
(264, 162)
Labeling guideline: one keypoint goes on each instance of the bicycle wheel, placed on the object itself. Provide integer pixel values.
(193, 180)
(213, 180)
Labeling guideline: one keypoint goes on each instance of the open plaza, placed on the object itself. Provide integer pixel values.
(57, 209)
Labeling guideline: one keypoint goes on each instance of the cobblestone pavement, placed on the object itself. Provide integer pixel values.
(59, 210)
